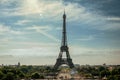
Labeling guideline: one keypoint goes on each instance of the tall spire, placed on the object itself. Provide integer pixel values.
(64, 38)
(64, 15)
(64, 10)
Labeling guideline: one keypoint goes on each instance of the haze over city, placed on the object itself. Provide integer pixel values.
(31, 31)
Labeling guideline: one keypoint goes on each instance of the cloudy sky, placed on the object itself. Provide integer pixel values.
(30, 31)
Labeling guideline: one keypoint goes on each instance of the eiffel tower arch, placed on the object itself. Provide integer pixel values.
(64, 49)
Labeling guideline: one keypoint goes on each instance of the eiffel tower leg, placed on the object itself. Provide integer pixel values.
(60, 55)
(70, 63)
(58, 63)
(67, 54)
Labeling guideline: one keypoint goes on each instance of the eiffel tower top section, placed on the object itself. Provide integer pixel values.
(64, 36)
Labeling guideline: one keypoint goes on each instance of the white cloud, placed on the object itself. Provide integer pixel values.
(22, 22)
(6, 2)
(8, 30)
(110, 23)
(113, 18)
(5, 40)
(6, 56)
(37, 28)
(109, 26)
(31, 7)
(34, 51)
(3, 29)
(16, 32)
(58, 28)
(51, 50)
(84, 51)
(43, 30)
(30, 49)
(52, 10)
(86, 38)
(28, 7)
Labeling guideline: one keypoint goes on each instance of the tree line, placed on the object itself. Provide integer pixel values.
(100, 71)
(39, 72)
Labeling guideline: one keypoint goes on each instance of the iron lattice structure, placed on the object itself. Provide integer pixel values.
(64, 48)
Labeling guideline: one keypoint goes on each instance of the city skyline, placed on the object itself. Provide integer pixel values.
(31, 31)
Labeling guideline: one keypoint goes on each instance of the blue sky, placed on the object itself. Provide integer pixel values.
(30, 31)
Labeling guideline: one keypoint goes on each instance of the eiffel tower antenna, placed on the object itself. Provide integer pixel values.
(64, 10)
(64, 48)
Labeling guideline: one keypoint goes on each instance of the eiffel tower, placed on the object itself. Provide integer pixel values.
(64, 48)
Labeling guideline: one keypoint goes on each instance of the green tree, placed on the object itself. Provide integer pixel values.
(114, 72)
(95, 73)
(21, 75)
(9, 76)
(24, 69)
(4, 70)
(101, 68)
(1, 75)
(88, 75)
(42, 77)
(35, 75)
(103, 73)
(111, 77)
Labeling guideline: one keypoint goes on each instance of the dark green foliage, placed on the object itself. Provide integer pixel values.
(9, 76)
(21, 74)
(42, 77)
(100, 71)
(1, 75)
(35, 75)
(103, 73)
(39, 72)
(95, 72)
(24, 69)
(101, 68)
